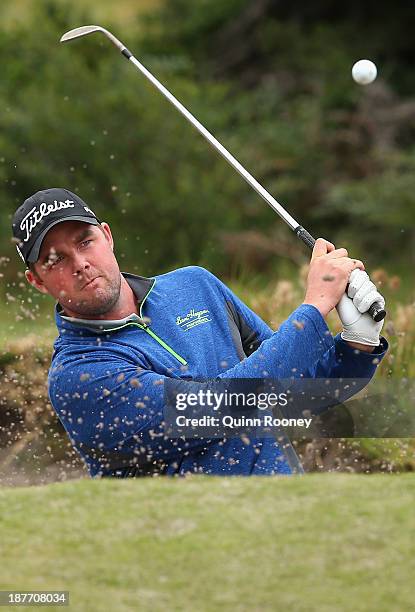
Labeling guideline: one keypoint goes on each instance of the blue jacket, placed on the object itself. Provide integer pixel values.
(106, 377)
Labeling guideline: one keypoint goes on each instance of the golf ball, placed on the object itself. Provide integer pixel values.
(364, 72)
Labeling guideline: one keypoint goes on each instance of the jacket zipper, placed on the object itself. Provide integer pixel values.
(162, 343)
(150, 332)
(153, 335)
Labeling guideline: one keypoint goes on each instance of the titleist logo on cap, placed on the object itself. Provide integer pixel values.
(35, 215)
(42, 211)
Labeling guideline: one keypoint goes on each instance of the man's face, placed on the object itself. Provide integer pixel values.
(78, 268)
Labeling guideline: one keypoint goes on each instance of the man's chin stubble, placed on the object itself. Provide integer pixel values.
(99, 305)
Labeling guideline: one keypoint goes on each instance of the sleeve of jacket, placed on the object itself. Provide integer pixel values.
(313, 355)
(244, 322)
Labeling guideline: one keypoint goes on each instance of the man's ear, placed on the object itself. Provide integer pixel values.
(34, 280)
(107, 233)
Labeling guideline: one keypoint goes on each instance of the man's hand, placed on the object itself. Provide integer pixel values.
(328, 275)
(358, 325)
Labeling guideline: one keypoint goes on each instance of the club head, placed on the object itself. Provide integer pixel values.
(78, 32)
(90, 29)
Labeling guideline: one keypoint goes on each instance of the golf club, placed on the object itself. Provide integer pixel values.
(376, 311)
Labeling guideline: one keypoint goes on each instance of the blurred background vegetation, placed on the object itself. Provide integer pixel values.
(273, 82)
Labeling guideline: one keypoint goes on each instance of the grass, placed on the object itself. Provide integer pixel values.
(15, 325)
(321, 542)
(46, 331)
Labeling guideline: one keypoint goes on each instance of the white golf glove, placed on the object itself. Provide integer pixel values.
(358, 325)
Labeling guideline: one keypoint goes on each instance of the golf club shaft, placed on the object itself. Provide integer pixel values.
(218, 146)
(376, 311)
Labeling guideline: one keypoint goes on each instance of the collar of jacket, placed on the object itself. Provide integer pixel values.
(141, 287)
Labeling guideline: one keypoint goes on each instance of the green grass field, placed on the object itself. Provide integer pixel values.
(319, 542)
